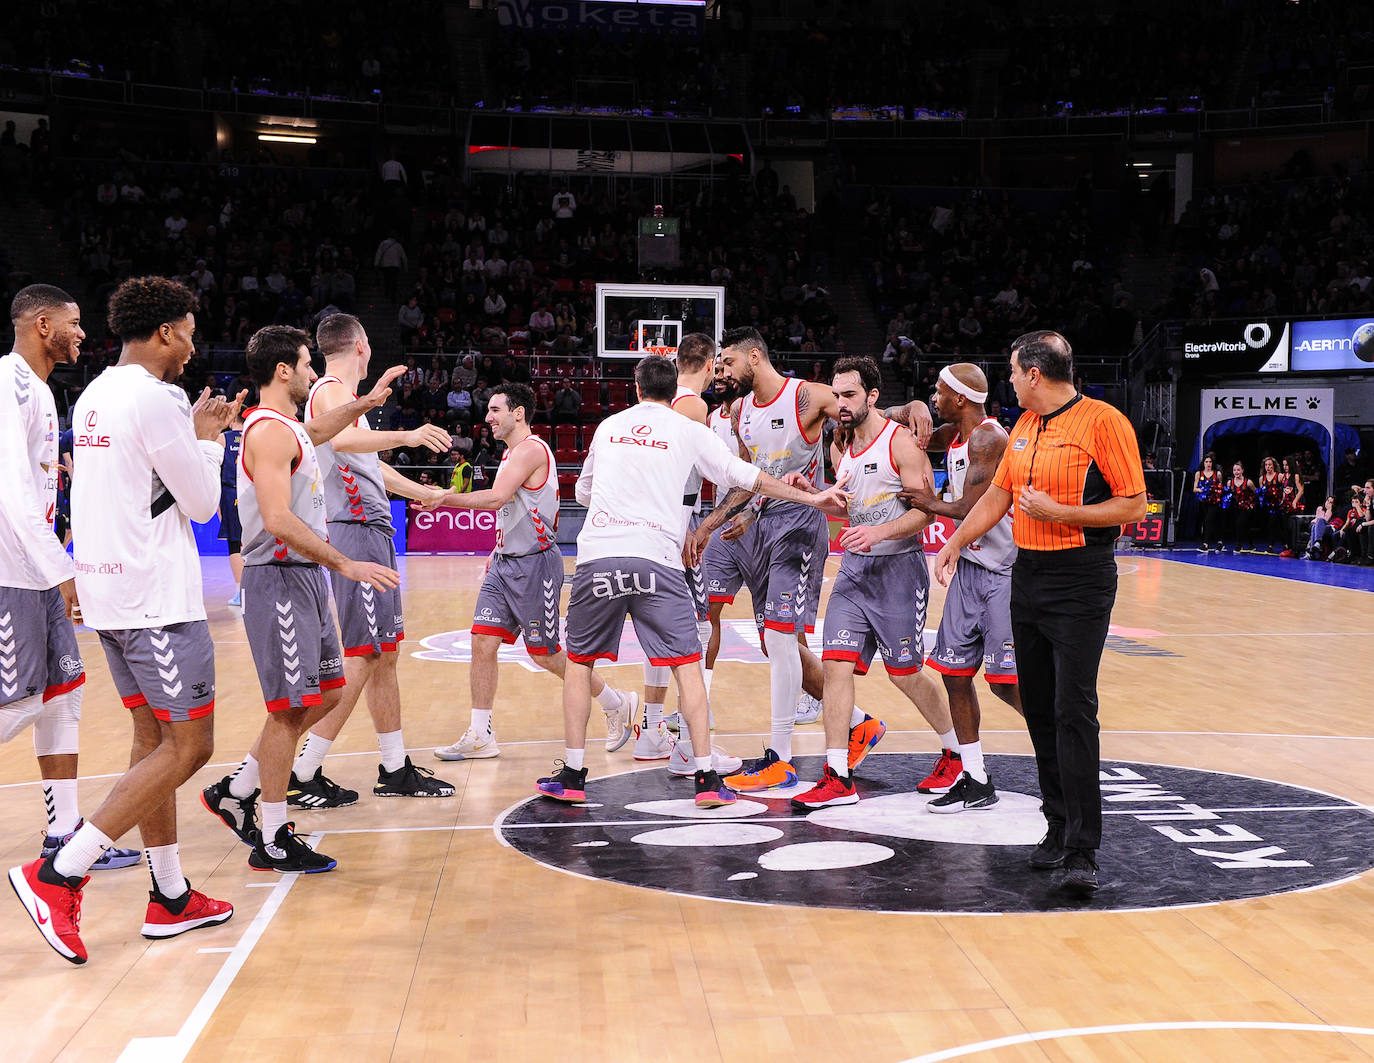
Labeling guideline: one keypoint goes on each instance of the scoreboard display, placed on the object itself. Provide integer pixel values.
(1153, 528)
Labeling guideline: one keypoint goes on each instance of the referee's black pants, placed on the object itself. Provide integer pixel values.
(1061, 605)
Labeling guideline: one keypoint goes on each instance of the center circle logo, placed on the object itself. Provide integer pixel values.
(1171, 837)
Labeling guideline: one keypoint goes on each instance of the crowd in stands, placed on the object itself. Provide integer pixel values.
(1301, 245)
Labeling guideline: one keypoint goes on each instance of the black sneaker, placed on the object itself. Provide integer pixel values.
(1080, 873)
(1050, 852)
(288, 854)
(410, 781)
(236, 812)
(565, 784)
(319, 792)
(965, 796)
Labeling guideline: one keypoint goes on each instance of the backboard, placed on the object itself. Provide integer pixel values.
(633, 319)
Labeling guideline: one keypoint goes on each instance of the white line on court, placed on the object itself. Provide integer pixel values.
(1137, 1027)
(174, 1049)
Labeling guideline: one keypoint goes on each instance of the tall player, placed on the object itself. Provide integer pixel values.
(695, 360)
(286, 600)
(356, 483)
(41, 674)
(779, 421)
(630, 561)
(524, 576)
(976, 626)
(878, 602)
(149, 464)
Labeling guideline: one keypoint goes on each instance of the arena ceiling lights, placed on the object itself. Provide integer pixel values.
(288, 130)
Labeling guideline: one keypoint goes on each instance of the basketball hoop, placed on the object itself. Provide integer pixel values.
(667, 352)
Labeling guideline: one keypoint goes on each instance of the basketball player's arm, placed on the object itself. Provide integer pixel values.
(24, 513)
(693, 407)
(914, 468)
(355, 440)
(324, 425)
(524, 462)
(735, 502)
(187, 454)
(399, 484)
(916, 416)
(985, 448)
(267, 457)
(981, 519)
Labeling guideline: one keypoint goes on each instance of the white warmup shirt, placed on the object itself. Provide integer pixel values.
(31, 558)
(633, 480)
(140, 478)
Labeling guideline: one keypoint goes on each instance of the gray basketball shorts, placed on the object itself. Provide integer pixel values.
(696, 578)
(371, 621)
(878, 605)
(520, 597)
(654, 596)
(38, 651)
(728, 566)
(792, 546)
(169, 669)
(976, 626)
(291, 634)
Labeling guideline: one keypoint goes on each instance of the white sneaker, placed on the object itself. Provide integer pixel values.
(808, 708)
(471, 746)
(620, 723)
(673, 721)
(653, 743)
(680, 763)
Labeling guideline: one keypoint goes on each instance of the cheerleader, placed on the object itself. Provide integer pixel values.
(1238, 502)
(1207, 488)
(1274, 493)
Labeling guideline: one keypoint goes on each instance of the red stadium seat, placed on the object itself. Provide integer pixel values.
(544, 432)
(567, 486)
(591, 398)
(566, 436)
(568, 456)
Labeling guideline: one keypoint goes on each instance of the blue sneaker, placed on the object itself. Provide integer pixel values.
(110, 860)
(237, 600)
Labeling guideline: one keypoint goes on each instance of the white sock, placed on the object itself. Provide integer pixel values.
(245, 779)
(949, 740)
(393, 748)
(77, 856)
(165, 861)
(59, 795)
(273, 819)
(706, 675)
(972, 754)
(609, 699)
(703, 636)
(652, 715)
(838, 759)
(573, 758)
(856, 717)
(703, 763)
(481, 721)
(312, 756)
(784, 687)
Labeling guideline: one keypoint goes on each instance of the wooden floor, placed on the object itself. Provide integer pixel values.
(434, 937)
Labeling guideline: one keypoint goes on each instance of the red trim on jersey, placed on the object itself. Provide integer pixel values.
(280, 419)
(548, 461)
(310, 400)
(764, 405)
(892, 438)
(1008, 680)
(673, 662)
(728, 599)
(902, 671)
(789, 628)
(590, 658)
(136, 701)
(508, 637)
(870, 442)
(820, 428)
(675, 401)
(62, 688)
(945, 669)
(333, 684)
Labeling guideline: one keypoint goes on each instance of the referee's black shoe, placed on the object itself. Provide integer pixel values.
(1050, 852)
(1080, 873)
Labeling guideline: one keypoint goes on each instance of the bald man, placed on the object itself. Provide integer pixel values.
(975, 628)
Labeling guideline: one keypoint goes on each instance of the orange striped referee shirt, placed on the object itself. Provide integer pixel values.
(1083, 453)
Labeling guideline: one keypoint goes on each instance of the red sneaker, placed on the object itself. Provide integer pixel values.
(831, 790)
(54, 905)
(862, 738)
(944, 775)
(167, 918)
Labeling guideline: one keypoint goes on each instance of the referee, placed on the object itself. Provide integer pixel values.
(1072, 471)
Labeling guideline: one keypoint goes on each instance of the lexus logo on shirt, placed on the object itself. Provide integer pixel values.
(642, 430)
(640, 438)
(90, 438)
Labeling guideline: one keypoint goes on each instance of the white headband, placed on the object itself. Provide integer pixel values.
(956, 385)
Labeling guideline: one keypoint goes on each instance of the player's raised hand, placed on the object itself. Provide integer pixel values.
(431, 436)
(382, 391)
(378, 577)
(438, 498)
(210, 416)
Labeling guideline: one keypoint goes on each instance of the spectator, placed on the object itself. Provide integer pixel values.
(567, 404)
(391, 257)
(542, 325)
(464, 373)
(410, 317)
(460, 404)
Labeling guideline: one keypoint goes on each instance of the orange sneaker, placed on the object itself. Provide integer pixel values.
(943, 776)
(765, 773)
(866, 734)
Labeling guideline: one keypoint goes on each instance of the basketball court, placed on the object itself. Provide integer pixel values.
(1238, 753)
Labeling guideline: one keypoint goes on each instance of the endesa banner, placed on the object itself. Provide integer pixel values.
(451, 531)
(1236, 347)
(1340, 343)
(934, 537)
